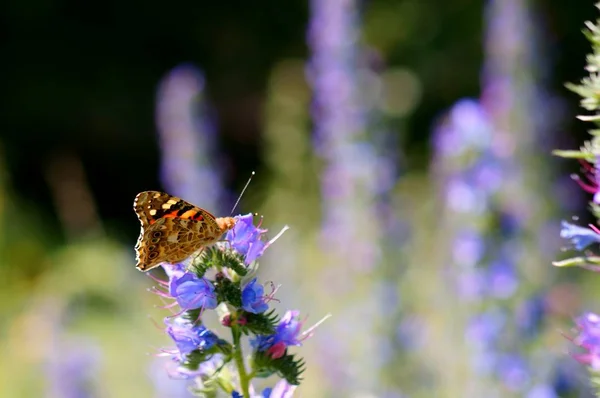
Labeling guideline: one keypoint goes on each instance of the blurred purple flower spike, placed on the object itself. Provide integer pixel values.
(187, 138)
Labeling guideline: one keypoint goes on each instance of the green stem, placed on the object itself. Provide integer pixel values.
(239, 362)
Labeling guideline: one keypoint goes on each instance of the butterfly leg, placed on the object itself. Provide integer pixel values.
(197, 255)
(227, 242)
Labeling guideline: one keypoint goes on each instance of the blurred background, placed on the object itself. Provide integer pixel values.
(405, 142)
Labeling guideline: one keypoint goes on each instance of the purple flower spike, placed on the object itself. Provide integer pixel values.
(253, 298)
(580, 237)
(188, 337)
(192, 292)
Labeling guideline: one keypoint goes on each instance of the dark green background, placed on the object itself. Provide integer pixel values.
(81, 77)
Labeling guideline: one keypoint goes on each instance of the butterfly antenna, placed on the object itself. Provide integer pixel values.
(243, 190)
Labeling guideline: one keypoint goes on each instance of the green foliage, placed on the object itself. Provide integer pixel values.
(288, 366)
(193, 316)
(260, 323)
(218, 257)
(589, 91)
(228, 291)
(193, 360)
(595, 381)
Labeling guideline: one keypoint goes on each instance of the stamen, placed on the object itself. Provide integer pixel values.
(260, 222)
(166, 352)
(271, 296)
(164, 307)
(587, 165)
(269, 243)
(594, 228)
(160, 281)
(309, 332)
(156, 324)
(585, 186)
(154, 290)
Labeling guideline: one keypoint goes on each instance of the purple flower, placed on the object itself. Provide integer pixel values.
(484, 329)
(253, 298)
(588, 338)
(189, 337)
(286, 334)
(73, 369)
(173, 270)
(281, 390)
(530, 315)
(542, 391)
(592, 185)
(246, 238)
(289, 328)
(192, 292)
(513, 371)
(589, 330)
(502, 281)
(176, 369)
(580, 237)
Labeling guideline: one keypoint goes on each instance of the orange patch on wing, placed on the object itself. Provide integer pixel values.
(190, 214)
(172, 214)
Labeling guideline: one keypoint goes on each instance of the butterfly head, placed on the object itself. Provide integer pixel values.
(226, 223)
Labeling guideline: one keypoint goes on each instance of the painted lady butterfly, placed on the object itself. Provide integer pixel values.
(173, 229)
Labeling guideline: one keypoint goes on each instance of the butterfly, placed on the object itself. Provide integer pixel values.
(173, 229)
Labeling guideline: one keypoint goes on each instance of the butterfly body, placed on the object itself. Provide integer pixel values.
(173, 229)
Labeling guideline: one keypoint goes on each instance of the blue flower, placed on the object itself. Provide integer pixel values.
(189, 337)
(246, 238)
(580, 237)
(253, 298)
(192, 292)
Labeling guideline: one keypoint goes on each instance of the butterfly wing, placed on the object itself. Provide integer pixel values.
(172, 229)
